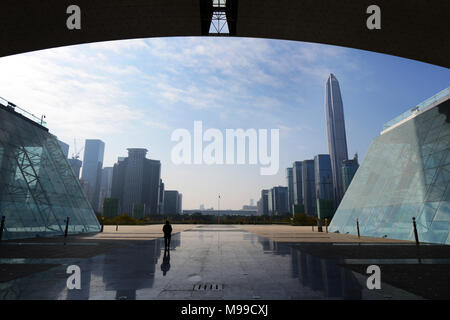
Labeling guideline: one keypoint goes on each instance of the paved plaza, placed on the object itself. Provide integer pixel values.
(218, 262)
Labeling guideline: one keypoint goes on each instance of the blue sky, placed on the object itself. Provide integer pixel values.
(135, 93)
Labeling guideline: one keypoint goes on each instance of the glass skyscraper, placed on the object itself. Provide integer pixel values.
(309, 187)
(324, 186)
(337, 141)
(38, 188)
(405, 174)
(92, 169)
(297, 181)
(290, 184)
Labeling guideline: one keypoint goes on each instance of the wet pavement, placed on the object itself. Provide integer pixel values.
(205, 262)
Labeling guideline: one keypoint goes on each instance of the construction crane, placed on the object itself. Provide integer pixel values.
(76, 154)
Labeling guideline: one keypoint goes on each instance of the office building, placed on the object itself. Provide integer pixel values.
(171, 202)
(29, 201)
(324, 186)
(290, 185)
(337, 140)
(405, 174)
(92, 169)
(263, 203)
(349, 168)
(309, 187)
(105, 186)
(278, 201)
(161, 197)
(135, 183)
(180, 203)
(297, 171)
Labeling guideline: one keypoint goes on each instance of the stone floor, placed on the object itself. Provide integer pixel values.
(204, 262)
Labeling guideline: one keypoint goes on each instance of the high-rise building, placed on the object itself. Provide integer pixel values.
(290, 185)
(64, 147)
(349, 168)
(105, 186)
(37, 193)
(136, 182)
(263, 207)
(92, 169)
(297, 180)
(75, 164)
(324, 186)
(278, 201)
(309, 187)
(337, 140)
(180, 203)
(405, 174)
(171, 202)
(161, 197)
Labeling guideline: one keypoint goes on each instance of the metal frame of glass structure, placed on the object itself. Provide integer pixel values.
(405, 174)
(38, 188)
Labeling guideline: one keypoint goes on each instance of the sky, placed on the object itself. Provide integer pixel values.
(135, 93)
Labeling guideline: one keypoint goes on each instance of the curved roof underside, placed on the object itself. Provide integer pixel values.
(415, 29)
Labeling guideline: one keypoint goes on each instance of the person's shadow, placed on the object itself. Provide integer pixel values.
(165, 266)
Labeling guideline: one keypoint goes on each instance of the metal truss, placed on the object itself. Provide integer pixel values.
(26, 162)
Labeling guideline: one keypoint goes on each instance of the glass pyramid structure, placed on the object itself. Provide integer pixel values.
(38, 189)
(405, 174)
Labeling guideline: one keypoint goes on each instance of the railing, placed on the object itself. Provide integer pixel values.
(421, 106)
(23, 112)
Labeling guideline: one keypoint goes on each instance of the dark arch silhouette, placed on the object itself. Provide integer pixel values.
(415, 29)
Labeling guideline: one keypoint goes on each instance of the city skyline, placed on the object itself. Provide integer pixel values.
(134, 93)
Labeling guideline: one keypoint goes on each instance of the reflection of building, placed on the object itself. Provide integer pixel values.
(38, 189)
(349, 168)
(92, 169)
(405, 174)
(64, 147)
(76, 166)
(321, 275)
(337, 140)
(128, 270)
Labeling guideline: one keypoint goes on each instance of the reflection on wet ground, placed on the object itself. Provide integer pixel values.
(206, 262)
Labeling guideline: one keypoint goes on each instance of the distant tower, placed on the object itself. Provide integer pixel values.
(337, 141)
(92, 169)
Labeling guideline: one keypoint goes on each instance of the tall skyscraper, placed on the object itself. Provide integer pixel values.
(92, 169)
(290, 185)
(136, 182)
(337, 141)
(309, 187)
(297, 181)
